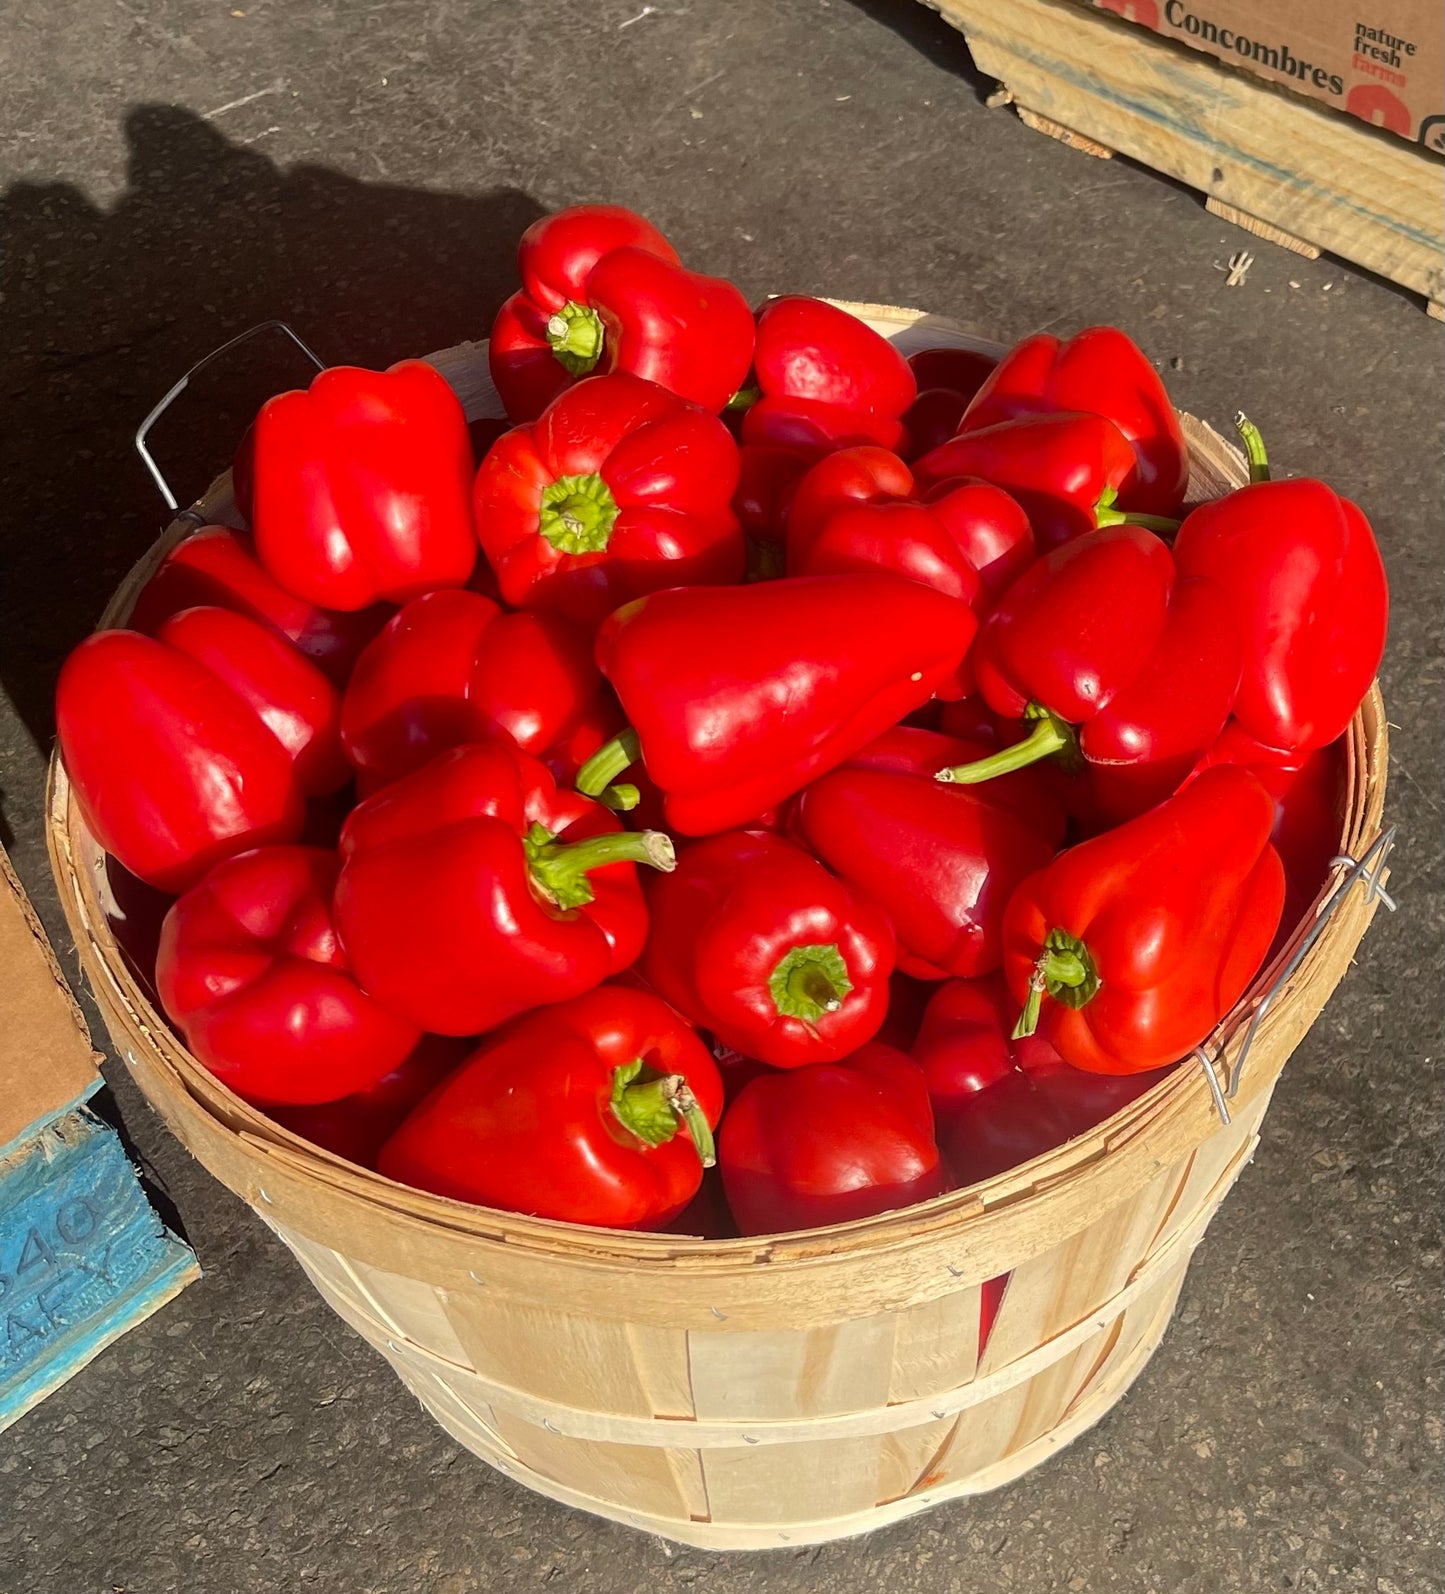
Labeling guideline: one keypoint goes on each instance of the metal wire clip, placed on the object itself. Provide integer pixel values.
(143, 430)
(1369, 870)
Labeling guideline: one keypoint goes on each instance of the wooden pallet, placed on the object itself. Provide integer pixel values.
(1286, 170)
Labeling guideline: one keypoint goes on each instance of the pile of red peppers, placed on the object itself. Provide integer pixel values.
(852, 774)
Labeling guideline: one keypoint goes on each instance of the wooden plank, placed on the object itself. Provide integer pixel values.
(1065, 135)
(812, 1373)
(1261, 229)
(935, 1346)
(83, 1256)
(1314, 174)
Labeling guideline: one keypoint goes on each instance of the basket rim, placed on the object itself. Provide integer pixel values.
(1182, 1102)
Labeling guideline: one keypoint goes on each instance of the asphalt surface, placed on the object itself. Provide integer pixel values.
(175, 170)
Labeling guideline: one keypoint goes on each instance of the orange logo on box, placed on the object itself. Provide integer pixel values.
(1144, 12)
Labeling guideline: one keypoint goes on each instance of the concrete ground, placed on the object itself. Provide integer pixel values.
(177, 169)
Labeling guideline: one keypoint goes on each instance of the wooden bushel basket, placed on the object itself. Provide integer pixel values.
(790, 1389)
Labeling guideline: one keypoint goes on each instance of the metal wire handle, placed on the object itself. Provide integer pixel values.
(143, 430)
(1369, 870)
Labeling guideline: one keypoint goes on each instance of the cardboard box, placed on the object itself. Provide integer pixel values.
(1381, 60)
(83, 1255)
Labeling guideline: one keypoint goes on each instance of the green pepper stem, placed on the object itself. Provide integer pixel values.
(1049, 736)
(744, 398)
(621, 799)
(1161, 525)
(574, 335)
(608, 762)
(654, 1109)
(809, 981)
(1253, 440)
(1066, 971)
(578, 514)
(561, 868)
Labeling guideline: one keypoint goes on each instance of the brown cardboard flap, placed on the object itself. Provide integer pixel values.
(47, 1062)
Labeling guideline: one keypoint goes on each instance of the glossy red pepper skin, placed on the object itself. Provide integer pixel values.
(1302, 571)
(941, 861)
(362, 487)
(217, 568)
(1028, 793)
(356, 1127)
(1102, 371)
(252, 973)
(172, 769)
(826, 379)
(286, 692)
(603, 291)
(452, 667)
(1062, 469)
(757, 943)
(830, 1143)
(1142, 939)
(618, 489)
(742, 695)
(442, 903)
(541, 1119)
(965, 1042)
(1309, 791)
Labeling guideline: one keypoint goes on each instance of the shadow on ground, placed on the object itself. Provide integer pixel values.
(105, 308)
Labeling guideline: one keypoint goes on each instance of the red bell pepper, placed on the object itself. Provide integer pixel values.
(286, 692)
(825, 380)
(602, 291)
(1309, 797)
(452, 667)
(172, 764)
(1098, 633)
(1027, 1114)
(474, 889)
(740, 696)
(1129, 948)
(757, 943)
(1065, 470)
(964, 1043)
(598, 1110)
(1302, 571)
(251, 972)
(830, 1143)
(356, 1127)
(1102, 371)
(618, 489)
(217, 568)
(942, 862)
(363, 487)
(947, 381)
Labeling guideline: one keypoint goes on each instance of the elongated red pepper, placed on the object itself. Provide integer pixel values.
(759, 944)
(618, 489)
(355, 1127)
(1064, 469)
(598, 1110)
(964, 1043)
(474, 889)
(252, 973)
(1099, 634)
(363, 487)
(1103, 371)
(217, 568)
(452, 667)
(603, 291)
(942, 862)
(739, 696)
(1302, 571)
(189, 747)
(1129, 948)
(830, 1143)
(825, 380)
